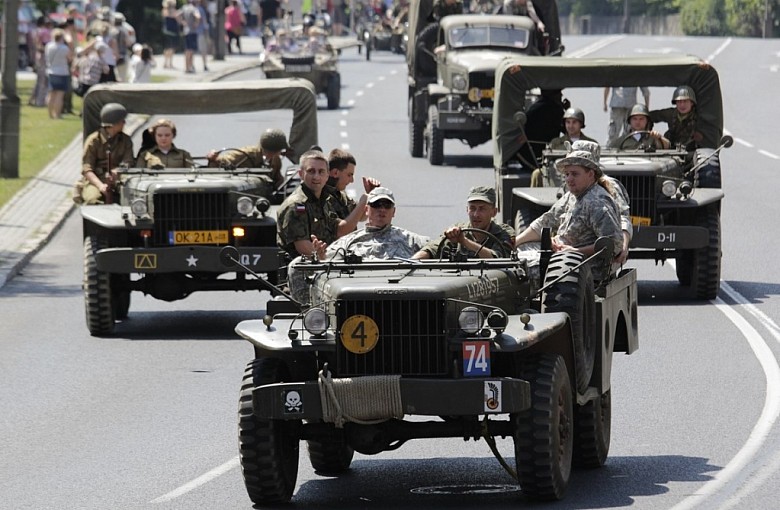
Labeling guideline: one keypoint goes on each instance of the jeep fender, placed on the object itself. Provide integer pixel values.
(104, 216)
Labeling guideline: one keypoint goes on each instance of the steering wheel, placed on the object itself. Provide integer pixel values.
(644, 135)
(243, 160)
(501, 248)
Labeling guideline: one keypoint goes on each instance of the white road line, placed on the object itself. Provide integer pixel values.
(743, 142)
(381, 78)
(343, 134)
(601, 43)
(351, 102)
(345, 146)
(719, 50)
(201, 480)
(770, 411)
(394, 71)
(768, 154)
(343, 123)
(359, 93)
(369, 85)
(345, 112)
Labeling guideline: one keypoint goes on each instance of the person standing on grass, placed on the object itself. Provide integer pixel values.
(58, 59)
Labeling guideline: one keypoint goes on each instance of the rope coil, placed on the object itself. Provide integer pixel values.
(362, 400)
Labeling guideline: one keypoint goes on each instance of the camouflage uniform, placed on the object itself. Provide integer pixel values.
(560, 142)
(302, 215)
(682, 128)
(155, 158)
(95, 159)
(503, 232)
(250, 156)
(442, 9)
(387, 242)
(341, 201)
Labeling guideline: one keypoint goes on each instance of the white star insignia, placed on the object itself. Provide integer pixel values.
(192, 261)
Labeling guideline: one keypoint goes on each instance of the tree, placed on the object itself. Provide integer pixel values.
(703, 17)
(745, 17)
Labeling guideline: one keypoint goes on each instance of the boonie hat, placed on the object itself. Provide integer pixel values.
(482, 194)
(380, 193)
(582, 153)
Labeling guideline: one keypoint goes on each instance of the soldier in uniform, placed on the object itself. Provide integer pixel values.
(105, 150)
(442, 8)
(308, 213)
(642, 134)
(481, 209)
(164, 154)
(342, 173)
(584, 213)
(620, 103)
(681, 119)
(573, 124)
(523, 8)
(266, 154)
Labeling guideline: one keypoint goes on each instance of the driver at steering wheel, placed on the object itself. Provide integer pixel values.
(481, 209)
(266, 154)
(642, 135)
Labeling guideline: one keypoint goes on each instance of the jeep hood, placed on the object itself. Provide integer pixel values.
(479, 59)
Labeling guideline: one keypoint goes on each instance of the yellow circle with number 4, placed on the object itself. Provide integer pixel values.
(359, 334)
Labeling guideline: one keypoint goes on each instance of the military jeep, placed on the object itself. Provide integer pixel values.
(163, 233)
(452, 66)
(463, 343)
(675, 194)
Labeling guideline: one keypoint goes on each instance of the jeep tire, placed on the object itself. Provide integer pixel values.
(435, 138)
(416, 143)
(334, 91)
(331, 455)
(592, 430)
(120, 296)
(268, 449)
(97, 291)
(706, 267)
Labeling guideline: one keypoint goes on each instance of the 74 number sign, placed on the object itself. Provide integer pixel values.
(476, 359)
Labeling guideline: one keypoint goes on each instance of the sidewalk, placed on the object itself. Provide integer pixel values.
(34, 214)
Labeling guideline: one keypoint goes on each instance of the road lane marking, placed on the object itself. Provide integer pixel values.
(343, 123)
(770, 411)
(768, 154)
(744, 142)
(591, 48)
(718, 51)
(197, 482)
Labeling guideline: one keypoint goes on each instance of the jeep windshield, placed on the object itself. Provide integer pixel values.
(475, 36)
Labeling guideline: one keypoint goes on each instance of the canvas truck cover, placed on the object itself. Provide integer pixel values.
(213, 98)
(516, 75)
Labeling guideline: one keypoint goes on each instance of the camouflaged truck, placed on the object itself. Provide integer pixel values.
(163, 234)
(451, 66)
(461, 345)
(675, 194)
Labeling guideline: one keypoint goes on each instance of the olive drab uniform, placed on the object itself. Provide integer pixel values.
(250, 156)
(560, 142)
(156, 158)
(387, 242)
(503, 232)
(302, 215)
(442, 9)
(100, 155)
(644, 141)
(341, 201)
(682, 128)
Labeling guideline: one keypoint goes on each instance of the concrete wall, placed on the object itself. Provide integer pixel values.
(643, 25)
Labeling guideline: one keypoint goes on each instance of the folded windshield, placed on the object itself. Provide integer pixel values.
(468, 36)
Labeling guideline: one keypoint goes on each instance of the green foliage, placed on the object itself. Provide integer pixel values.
(703, 17)
(745, 17)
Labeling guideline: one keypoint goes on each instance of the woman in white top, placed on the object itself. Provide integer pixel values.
(58, 59)
(141, 64)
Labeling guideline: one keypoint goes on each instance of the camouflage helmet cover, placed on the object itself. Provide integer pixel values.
(273, 140)
(684, 92)
(575, 113)
(112, 113)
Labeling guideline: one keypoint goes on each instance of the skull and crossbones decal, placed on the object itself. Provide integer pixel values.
(293, 402)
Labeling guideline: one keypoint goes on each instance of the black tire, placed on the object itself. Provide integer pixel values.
(120, 296)
(268, 449)
(574, 295)
(298, 60)
(523, 219)
(424, 61)
(97, 291)
(334, 92)
(435, 138)
(416, 144)
(331, 455)
(706, 274)
(684, 267)
(592, 431)
(544, 434)
(369, 44)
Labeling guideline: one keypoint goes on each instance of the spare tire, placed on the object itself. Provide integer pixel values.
(423, 56)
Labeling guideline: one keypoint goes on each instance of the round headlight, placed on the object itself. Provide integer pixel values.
(686, 188)
(139, 208)
(497, 320)
(459, 81)
(262, 204)
(245, 206)
(471, 320)
(669, 188)
(315, 320)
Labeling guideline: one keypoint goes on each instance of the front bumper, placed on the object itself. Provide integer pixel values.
(184, 259)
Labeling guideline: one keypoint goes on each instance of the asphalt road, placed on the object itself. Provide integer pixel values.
(147, 418)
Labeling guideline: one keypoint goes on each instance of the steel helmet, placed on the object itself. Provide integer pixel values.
(684, 92)
(112, 113)
(273, 140)
(575, 113)
(640, 109)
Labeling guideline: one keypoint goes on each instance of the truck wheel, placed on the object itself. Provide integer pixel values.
(544, 433)
(120, 296)
(684, 267)
(706, 275)
(97, 291)
(268, 449)
(334, 92)
(369, 44)
(415, 134)
(435, 138)
(331, 456)
(574, 295)
(592, 429)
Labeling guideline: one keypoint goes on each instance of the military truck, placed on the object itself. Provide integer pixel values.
(675, 194)
(465, 344)
(451, 67)
(163, 234)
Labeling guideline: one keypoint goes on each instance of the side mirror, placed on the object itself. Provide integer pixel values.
(727, 141)
(228, 256)
(520, 119)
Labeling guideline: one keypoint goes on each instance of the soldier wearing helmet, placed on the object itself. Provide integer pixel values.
(642, 135)
(266, 154)
(681, 120)
(573, 123)
(620, 102)
(105, 150)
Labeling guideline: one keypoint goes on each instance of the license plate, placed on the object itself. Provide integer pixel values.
(198, 237)
(298, 69)
(640, 221)
(476, 359)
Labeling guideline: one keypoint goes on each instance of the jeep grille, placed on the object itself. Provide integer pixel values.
(411, 338)
(189, 211)
(642, 193)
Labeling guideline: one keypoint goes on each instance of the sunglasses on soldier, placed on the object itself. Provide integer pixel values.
(382, 204)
